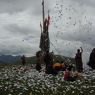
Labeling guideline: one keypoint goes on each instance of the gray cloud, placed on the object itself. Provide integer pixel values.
(85, 34)
(18, 46)
(88, 3)
(20, 30)
(17, 30)
(14, 6)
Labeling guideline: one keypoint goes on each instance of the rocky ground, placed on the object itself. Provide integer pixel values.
(25, 80)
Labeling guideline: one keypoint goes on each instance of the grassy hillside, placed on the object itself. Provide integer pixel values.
(31, 60)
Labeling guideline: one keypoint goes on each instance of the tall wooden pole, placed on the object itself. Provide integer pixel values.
(43, 13)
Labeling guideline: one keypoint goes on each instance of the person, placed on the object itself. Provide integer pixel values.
(92, 59)
(63, 66)
(49, 62)
(57, 66)
(68, 76)
(23, 60)
(38, 61)
(78, 75)
(78, 59)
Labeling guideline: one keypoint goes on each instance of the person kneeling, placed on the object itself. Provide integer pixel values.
(68, 75)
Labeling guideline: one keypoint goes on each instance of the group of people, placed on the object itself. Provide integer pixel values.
(79, 63)
(68, 75)
(53, 68)
(48, 59)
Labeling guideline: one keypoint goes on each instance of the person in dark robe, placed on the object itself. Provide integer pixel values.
(91, 62)
(63, 66)
(23, 60)
(38, 61)
(48, 62)
(78, 59)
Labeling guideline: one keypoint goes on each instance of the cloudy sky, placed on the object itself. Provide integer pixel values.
(72, 26)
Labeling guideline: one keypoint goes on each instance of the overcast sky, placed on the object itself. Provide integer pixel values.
(72, 26)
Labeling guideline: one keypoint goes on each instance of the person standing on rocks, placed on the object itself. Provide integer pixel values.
(23, 60)
(78, 59)
(92, 59)
(38, 61)
(49, 62)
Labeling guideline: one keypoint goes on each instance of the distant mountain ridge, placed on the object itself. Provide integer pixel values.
(4, 59)
(9, 58)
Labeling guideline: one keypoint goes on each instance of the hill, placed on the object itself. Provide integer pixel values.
(9, 59)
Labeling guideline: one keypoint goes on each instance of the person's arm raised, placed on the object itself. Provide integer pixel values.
(81, 50)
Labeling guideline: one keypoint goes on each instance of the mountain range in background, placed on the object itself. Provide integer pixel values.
(9, 59)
